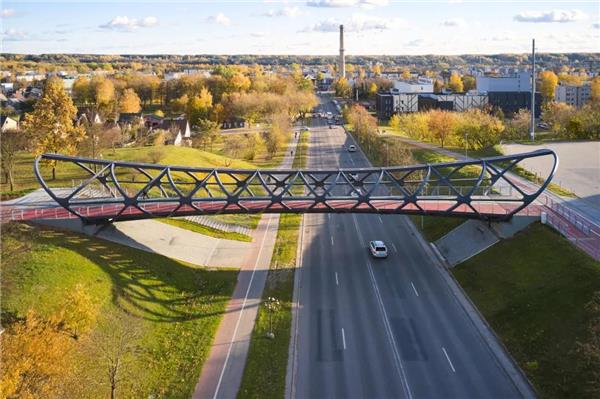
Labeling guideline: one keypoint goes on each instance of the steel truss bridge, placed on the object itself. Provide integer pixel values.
(105, 191)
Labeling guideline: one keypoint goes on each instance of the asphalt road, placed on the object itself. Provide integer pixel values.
(370, 328)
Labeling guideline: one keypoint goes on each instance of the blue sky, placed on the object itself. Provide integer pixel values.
(298, 27)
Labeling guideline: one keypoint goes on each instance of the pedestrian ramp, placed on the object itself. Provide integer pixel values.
(475, 236)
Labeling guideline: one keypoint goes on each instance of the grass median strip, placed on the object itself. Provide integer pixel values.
(266, 366)
(542, 297)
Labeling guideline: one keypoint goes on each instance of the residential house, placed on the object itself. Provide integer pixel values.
(179, 127)
(88, 116)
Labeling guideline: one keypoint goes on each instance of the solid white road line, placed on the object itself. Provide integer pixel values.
(343, 338)
(337, 282)
(414, 289)
(237, 324)
(380, 219)
(394, 246)
(332, 241)
(449, 361)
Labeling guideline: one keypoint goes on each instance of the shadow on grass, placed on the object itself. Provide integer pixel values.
(148, 285)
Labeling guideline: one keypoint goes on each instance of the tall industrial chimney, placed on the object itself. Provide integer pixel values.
(342, 62)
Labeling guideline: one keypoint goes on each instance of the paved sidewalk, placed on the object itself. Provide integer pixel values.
(223, 370)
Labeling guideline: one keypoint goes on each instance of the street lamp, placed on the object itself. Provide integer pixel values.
(272, 305)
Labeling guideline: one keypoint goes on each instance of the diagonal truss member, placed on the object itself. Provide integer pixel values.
(114, 190)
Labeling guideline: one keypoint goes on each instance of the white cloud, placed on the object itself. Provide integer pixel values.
(8, 12)
(124, 23)
(347, 3)
(455, 23)
(596, 25)
(551, 16)
(220, 19)
(357, 23)
(13, 35)
(291, 12)
(258, 34)
(149, 21)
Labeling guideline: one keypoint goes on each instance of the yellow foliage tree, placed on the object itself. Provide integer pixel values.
(547, 86)
(129, 102)
(50, 125)
(455, 83)
(596, 89)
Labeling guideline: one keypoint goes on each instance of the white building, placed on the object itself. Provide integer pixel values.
(520, 81)
(421, 85)
(575, 96)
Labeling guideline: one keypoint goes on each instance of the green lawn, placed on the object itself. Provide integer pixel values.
(176, 306)
(171, 155)
(266, 366)
(435, 227)
(532, 289)
(206, 230)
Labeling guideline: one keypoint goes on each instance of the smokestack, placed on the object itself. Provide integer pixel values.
(342, 62)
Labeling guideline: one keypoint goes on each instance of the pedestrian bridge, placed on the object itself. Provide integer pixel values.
(104, 191)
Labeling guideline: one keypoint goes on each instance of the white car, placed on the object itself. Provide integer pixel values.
(305, 129)
(351, 148)
(378, 249)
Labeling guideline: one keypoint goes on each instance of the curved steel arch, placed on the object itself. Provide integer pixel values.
(116, 190)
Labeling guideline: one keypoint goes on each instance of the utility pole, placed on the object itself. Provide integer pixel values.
(532, 127)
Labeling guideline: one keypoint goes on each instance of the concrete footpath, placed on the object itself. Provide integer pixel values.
(223, 370)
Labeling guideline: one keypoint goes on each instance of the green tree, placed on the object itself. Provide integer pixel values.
(469, 82)
(50, 125)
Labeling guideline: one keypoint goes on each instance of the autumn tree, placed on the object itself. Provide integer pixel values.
(372, 89)
(11, 141)
(78, 312)
(199, 106)
(394, 122)
(35, 357)
(469, 83)
(441, 125)
(103, 92)
(547, 85)
(455, 83)
(234, 145)
(343, 88)
(129, 102)
(595, 89)
(50, 125)
(438, 86)
(377, 69)
(558, 115)
(275, 137)
(115, 345)
(82, 91)
(406, 74)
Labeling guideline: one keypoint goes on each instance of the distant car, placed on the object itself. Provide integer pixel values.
(543, 125)
(331, 126)
(305, 129)
(351, 148)
(378, 249)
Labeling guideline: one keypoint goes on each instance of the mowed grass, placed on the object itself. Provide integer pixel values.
(532, 289)
(435, 227)
(176, 306)
(67, 175)
(266, 366)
